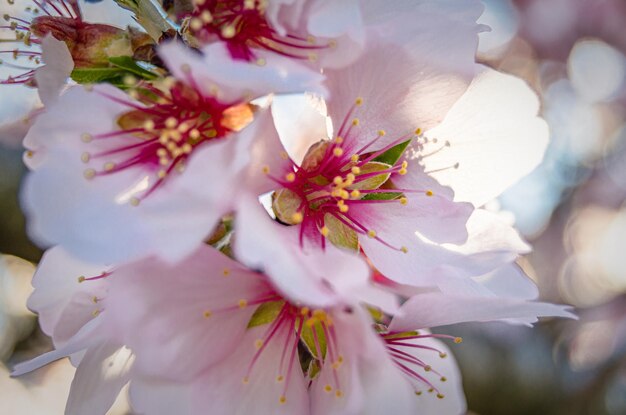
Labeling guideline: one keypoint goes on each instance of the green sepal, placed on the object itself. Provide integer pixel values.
(392, 155)
(341, 235)
(309, 340)
(265, 313)
(373, 182)
(382, 196)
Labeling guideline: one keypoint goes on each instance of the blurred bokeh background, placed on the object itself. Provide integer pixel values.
(571, 208)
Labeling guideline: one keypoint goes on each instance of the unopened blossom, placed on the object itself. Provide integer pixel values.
(90, 44)
(326, 33)
(151, 171)
(227, 338)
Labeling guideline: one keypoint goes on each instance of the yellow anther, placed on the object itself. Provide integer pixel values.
(311, 322)
(312, 57)
(81, 278)
(228, 32)
(440, 396)
(338, 393)
(94, 299)
(148, 125)
(355, 122)
(418, 393)
(245, 380)
(284, 155)
(161, 174)
(354, 158)
(359, 101)
(328, 388)
(355, 194)
(206, 16)
(171, 122)
(355, 169)
(304, 311)
(297, 218)
(402, 172)
(195, 24)
(443, 355)
(183, 127)
(404, 200)
(458, 340)
(290, 177)
(194, 134)
(95, 313)
(337, 180)
(242, 303)
(266, 169)
(404, 249)
(321, 314)
(340, 359)
(84, 157)
(207, 314)
(427, 368)
(86, 137)
(226, 272)
(381, 132)
(261, 62)
(343, 208)
(350, 178)
(338, 140)
(324, 231)
(282, 399)
(431, 390)
(29, 154)
(258, 343)
(280, 378)
(338, 151)
(109, 166)
(344, 194)
(418, 131)
(89, 173)
(429, 193)
(134, 201)
(371, 233)
(443, 379)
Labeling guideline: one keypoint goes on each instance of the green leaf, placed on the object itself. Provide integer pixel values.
(392, 155)
(130, 65)
(265, 313)
(309, 340)
(97, 75)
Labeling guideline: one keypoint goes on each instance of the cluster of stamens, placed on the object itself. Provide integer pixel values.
(160, 131)
(336, 177)
(243, 25)
(398, 346)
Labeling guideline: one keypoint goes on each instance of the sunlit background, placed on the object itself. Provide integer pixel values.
(572, 208)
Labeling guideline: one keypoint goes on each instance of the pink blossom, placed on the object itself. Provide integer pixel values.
(120, 173)
(226, 337)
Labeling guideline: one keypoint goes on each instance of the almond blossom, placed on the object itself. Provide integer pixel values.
(129, 170)
(226, 337)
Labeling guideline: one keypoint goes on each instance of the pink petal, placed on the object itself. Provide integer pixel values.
(52, 77)
(495, 136)
(435, 309)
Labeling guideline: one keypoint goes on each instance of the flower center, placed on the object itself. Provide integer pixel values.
(327, 193)
(243, 25)
(161, 130)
